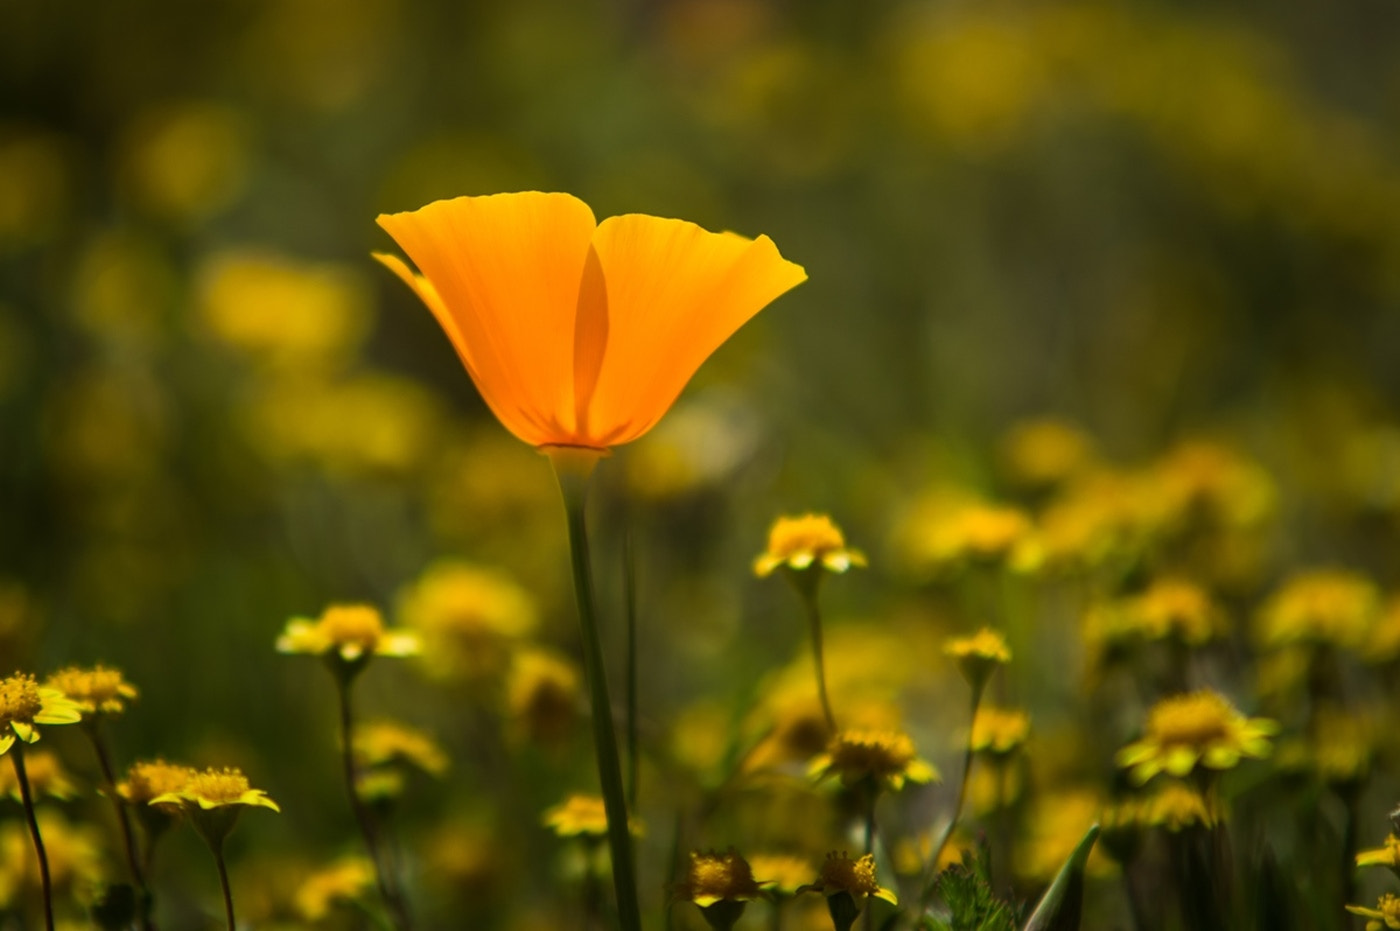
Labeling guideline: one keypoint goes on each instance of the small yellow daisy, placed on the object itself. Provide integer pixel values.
(801, 543)
(582, 816)
(217, 788)
(1386, 855)
(24, 703)
(886, 758)
(1199, 728)
(999, 731)
(98, 690)
(979, 655)
(351, 632)
(1386, 914)
(856, 878)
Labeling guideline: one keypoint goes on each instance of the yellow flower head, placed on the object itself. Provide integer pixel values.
(217, 788)
(468, 617)
(1045, 452)
(346, 880)
(24, 703)
(582, 816)
(1329, 606)
(96, 690)
(1386, 855)
(46, 774)
(1175, 806)
(1199, 728)
(1386, 914)
(1175, 608)
(977, 656)
(715, 877)
(999, 731)
(579, 333)
(386, 743)
(353, 633)
(781, 873)
(856, 878)
(886, 758)
(542, 694)
(801, 543)
(147, 781)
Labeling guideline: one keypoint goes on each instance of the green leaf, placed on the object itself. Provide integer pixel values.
(1061, 906)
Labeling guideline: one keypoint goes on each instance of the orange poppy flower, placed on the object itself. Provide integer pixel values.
(579, 333)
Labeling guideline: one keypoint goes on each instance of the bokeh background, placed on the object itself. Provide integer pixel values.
(1152, 222)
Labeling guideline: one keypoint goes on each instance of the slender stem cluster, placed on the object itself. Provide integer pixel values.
(27, 797)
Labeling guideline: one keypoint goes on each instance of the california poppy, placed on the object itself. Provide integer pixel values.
(579, 333)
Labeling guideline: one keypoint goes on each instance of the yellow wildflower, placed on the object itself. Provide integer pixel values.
(1175, 806)
(781, 873)
(95, 690)
(46, 777)
(1386, 914)
(1207, 477)
(1388, 855)
(468, 616)
(582, 816)
(978, 655)
(1329, 606)
(950, 530)
(24, 703)
(347, 880)
(1175, 608)
(216, 788)
(542, 694)
(75, 855)
(714, 877)
(999, 731)
(856, 878)
(1199, 728)
(799, 543)
(382, 743)
(147, 781)
(1045, 452)
(351, 632)
(885, 758)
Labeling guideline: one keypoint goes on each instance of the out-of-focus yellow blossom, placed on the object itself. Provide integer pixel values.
(370, 423)
(75, 855)
(1383, 644)
(35, 187)
(463, 859)
(697, 446)
(992, 788)
(1054, 824)
(979, 655)
(1386, 914)
(388, 743)
(122, 289)
(806, 542)
(781, 873)
(1046, 452)
(714, 877)
(1209, 478)
(293, 315)
(798, 733)
(1388, 854)
(1198, 728)
(543, 694)
(346, 881)
(1175, 608)
(24, 703)
(583, 816)
(840, 874)
(1101, 516)
(949, 529)
(1340, 746)
(885, 759)
(351, 633)
(98, 690)
(999, 731)
(46, 775)
(1175, 806)
(1336, 607)
(468, 617)
(186, 162)
(147, 781)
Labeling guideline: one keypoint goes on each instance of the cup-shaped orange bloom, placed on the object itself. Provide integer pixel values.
(579, 333)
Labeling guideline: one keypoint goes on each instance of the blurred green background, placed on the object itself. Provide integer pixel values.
(1153, 220)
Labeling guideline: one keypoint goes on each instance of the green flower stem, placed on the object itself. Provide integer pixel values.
(22, 777)
(931, 872)
(217, 848)
(92, 728)
(388, 890)
(814, 619)
(573, 468)
(629, 585)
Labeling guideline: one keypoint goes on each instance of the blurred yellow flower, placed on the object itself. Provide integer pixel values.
(977, 656)
(781, 873)
(96, 690)
(468, 617)
(543, 694)
(1175, 806)
(999, 731)
(345, 881)
(351, 632)
(1327, 606)
(886, 758)
(1199, 728)
(1388, 854)
(1045, 452)
(24, 703)
(582, 816)
(578, 333)
(947, 531)
(713, 877)
(1055, 822)
(386, 743)
(186, 162)
(147, 781)
(75, 856)
(46, 775)
(801, 543)
(1386, 914)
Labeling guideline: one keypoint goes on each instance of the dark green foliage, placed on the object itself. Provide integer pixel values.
(969, 903)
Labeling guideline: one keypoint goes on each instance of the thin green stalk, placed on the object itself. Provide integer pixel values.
(388, 890)
(573, 468)
(629, 586)
(814, 619)
(931, 872)
(92, 728)
(218, 848)
(27, 797)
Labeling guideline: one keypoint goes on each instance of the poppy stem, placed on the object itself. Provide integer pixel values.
(573, 468)
(22, 777)
(629, 585)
